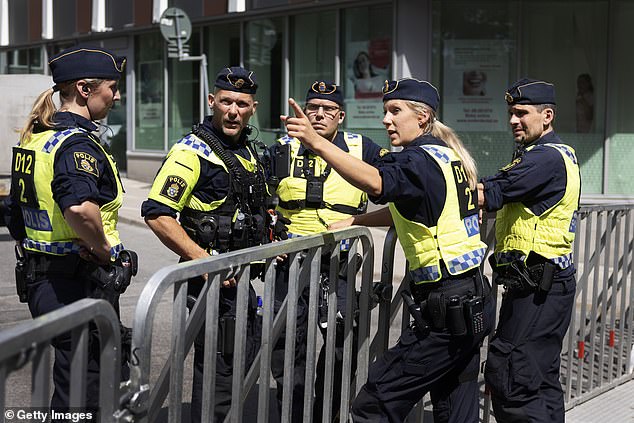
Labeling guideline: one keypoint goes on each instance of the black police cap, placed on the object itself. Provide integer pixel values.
(236, 79)
(325, 90)
(86, 62)
(530, 91)
(413, 90)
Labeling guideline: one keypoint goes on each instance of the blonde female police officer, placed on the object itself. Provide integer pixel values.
(65, 194)
(536, 197)
(429, 186)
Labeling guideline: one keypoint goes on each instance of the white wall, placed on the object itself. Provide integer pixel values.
(18, 95)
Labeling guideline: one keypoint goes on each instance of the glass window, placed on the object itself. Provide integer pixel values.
(575, 62)
(366, 60)
(119, 14)
(222, 43)
(480, 51)
(263, 55)
(474, 48)
(193, 8)
(35, 60)
(26, 60)
(18, 17)
(620, 124)
(19, 61)
(184, 93)
(312, 51)
(259, 4)
(149, 98)
(64, 18)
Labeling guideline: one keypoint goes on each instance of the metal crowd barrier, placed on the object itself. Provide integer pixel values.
(29, 342)
(597, 351)
(304, 255)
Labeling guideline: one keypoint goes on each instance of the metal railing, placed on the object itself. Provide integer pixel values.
(29, 342)
(597, 352)
(304, 255)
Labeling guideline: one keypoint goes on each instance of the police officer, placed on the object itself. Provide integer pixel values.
(430, 188)
(65, 196)
(329, 199)
(537, 197)
(202, 178)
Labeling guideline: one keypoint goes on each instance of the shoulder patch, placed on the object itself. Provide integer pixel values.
(173, 188)
(511, 165)
(383, 152)
(86, 163)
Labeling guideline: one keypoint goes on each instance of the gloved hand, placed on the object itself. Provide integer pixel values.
(277, 225)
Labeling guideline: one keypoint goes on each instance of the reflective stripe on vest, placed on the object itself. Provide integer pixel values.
(455, 240)
(337, 190)
(192, 143)
(63, 248)
(550, 235)
(46, 228)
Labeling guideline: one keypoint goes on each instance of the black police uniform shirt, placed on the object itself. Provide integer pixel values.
(213, 181)
(535, 178)
(370, 151)
(413, 181)
(72, 184)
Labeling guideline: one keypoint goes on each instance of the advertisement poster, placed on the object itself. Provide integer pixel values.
(150, 104)
(367, 69)
(474, 81)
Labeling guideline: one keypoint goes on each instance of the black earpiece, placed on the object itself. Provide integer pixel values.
(85, 89)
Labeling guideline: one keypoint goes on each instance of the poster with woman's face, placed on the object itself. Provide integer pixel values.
(367, 68)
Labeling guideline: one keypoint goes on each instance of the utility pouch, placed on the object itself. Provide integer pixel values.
(516, 277)
(282, 162)
(436, 306)
(474, 315)
(227, 335)
(455, 316)
(314, 193)
(206, 232)
(21, 274)
(109, 282)
(547, 277)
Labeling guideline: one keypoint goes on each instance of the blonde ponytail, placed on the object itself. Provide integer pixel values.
(41, 113)
(445, 133)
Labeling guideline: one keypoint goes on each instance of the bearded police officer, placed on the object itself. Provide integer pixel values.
(536, 197)
(312, 196)
(203, 178)
(65, 197)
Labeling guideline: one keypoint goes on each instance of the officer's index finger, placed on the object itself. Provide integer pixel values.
(296, 109)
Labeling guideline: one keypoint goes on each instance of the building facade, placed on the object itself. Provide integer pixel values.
(470, 50)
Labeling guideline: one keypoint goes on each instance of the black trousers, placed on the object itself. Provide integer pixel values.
(224, 362)
(277, 355)
(277, 359)
(522, 367)
(48, 293)
(437, 362)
